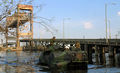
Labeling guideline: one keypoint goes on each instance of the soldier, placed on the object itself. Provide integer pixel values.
(77, 45)
(51, 46)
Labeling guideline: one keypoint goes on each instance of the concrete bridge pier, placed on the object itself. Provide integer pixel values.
(117, 57)
(102, 55)
(111, 56)
(96, 55)
(89, 51)
(85, 47)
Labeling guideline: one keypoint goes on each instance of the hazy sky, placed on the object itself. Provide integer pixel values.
(87, 18)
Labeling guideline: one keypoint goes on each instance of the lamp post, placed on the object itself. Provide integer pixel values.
(109, 30)
(107, 23)
(63, 26)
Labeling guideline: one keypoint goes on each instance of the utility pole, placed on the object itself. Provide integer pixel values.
(109, 30)
(106, 22)
(63, 26)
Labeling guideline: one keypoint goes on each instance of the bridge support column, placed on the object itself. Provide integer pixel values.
(85, 48)
(111, 57)
(117, 57)
(90, 54)
(102, 55)
(96, 55)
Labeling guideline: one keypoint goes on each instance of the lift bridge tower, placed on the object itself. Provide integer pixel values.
(20, 25)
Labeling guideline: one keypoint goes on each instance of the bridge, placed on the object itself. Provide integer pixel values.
(102, 42)
(97, 46)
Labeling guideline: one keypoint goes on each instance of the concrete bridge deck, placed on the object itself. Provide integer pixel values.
(113, 42)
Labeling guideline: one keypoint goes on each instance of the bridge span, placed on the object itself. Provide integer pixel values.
(98, 47)
(102, 42)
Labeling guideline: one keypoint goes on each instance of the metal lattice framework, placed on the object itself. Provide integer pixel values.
(20, 24)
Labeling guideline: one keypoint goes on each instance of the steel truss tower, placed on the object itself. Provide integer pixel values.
(20, 24)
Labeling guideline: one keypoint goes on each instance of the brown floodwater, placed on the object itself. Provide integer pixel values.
(26, 62)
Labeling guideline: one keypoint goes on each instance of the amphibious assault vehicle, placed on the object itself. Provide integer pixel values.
(70, 59)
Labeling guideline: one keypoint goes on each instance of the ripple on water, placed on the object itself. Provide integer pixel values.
(25, 62)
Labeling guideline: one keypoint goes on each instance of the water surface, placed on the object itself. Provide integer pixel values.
(26, 62)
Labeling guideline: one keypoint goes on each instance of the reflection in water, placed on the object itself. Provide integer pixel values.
(25, 62)
(18, 62)
(70, 71)
(77, 71)
(16, 69)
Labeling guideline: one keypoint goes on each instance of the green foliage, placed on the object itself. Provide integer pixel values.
(11, 1)
(5, 1)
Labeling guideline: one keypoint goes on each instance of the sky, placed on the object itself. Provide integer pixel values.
(81, 18)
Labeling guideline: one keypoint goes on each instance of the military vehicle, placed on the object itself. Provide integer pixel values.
(72, 59)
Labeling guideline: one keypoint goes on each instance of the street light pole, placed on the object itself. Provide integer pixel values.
(106, 22)
(63, 26)
(109, 30)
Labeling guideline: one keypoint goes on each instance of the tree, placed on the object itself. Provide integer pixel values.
(8, 8)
